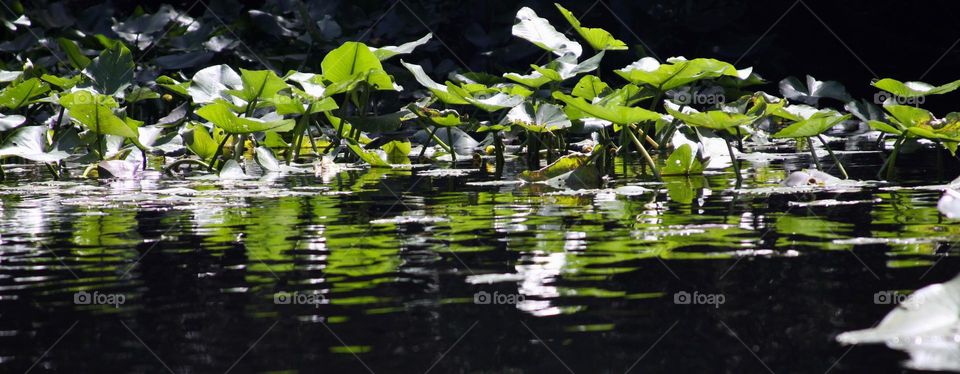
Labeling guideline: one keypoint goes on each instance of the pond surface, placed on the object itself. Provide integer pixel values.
(388, 271)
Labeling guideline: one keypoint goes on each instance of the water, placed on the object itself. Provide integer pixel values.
(591, 283)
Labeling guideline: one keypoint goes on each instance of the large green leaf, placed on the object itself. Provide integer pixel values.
(490, 102)
(713, 119)
(20, 94)
(590, 87)
(199, 141)
(112, 71)
(95, 112)
(346, 62)
(212, 82)
(677, 72)
(258, 84)
(541, 33)
(683, 161)
(369, 157)
(908, 116)
(438, 90)
(813, 126)
(384, 53)
(914, 89)
(599, 39)
(621, 115)
(546, 117)
(30, 142)
(219, 114)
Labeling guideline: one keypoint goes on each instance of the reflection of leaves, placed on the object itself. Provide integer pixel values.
(563, 165)
(682, 162)
(683, 189)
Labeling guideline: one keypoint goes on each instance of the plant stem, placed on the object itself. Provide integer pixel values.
(813, 153)
(835, 159)
(453, 152)
(892, 160)
(219, 151)
(643, 151)
(733, 160)
(498, 146)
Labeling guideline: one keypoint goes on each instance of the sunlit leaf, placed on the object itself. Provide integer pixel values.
(384, 53)
(599, 39)
(914, 89)
(541, 33)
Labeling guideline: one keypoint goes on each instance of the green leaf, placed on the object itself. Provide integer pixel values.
(682, 161)
(559, 167)
(381, 123)
(95, 112)
(345, 62)
(621, 115)
(30, 142)
(599, 39)
(589, 87)
(488, 102)
(112, 71)
(177, 87)
(546, 118)
(219, 114)
(677, 72)
(76, 57)
(63, 83)
(384, 53)
(258, 85)
(438, 90)
(139, 94)
(368, 156)
(813, 126)
(914, 89)
(535, 79)
(443, 118)
(397, 152)
(17, 95)
(884, 127)
(541, 33)
(211, 83)
(199, 141)
(908, 116)
(714, 119)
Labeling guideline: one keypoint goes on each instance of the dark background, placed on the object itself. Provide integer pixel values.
(849, 41)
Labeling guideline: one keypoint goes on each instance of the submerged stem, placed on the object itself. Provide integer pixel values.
(733, 160)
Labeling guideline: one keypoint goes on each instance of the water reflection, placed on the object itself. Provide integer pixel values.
(396, 259)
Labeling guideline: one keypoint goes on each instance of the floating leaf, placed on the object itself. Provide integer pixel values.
(561, 166)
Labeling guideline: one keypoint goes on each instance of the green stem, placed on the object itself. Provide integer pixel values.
(835, 159)
(813, 153)
(498, 146)
(733, 160)
(892, 161)
(643, 151)
(213, 160)
(453, 152)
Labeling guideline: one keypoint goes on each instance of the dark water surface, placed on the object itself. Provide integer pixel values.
(590, 283)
